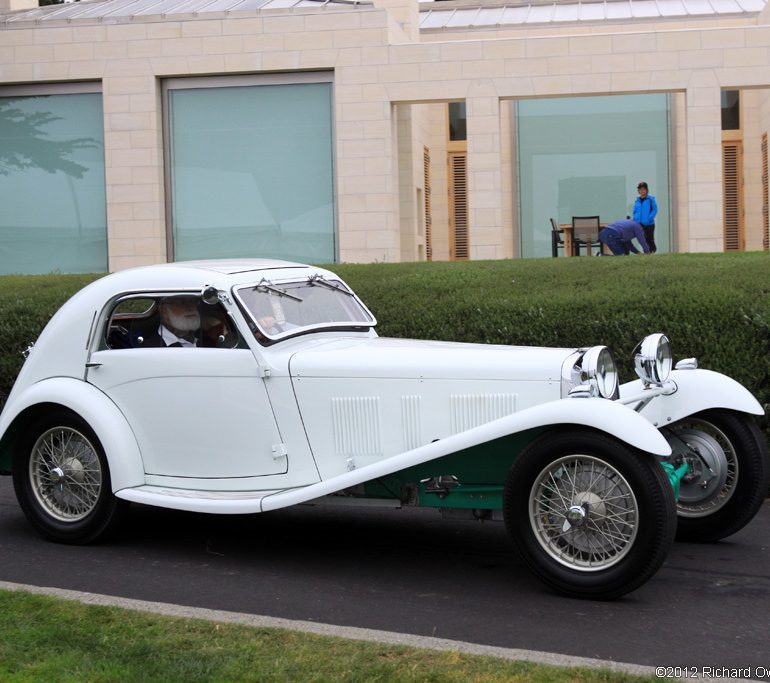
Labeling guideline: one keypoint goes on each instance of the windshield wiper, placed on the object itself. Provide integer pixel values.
(319, 280)
(265, 286)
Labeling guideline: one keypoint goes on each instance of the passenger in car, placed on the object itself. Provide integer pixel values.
(216, 330)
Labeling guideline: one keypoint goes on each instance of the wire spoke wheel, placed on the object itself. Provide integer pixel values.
(62, 479)
(590, 516)
(583, 512)
(65, 474)
(729, 473)
(713, 462)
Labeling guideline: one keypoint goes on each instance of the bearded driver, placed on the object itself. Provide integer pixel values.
(180, 321)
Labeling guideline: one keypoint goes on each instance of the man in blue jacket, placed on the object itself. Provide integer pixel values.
(645, 210)
(618, 235)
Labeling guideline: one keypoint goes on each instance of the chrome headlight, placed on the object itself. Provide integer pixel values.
(652, 359)
(599, 370)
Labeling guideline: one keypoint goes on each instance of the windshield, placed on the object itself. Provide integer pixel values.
(280, 309)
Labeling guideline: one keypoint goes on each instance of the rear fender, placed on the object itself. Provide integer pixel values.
(109, 424)
(606, 416)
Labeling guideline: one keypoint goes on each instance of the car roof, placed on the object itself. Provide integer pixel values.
(224, 272)
(234, 266)
(62, 348)
(189, 275)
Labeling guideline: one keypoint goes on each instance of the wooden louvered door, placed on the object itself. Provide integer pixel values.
(732, 199)
(428, 213)
(458, 206)
(765, 198)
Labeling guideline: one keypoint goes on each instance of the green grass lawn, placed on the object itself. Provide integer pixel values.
(51, 639)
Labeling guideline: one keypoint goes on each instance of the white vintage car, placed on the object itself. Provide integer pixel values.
(248, 386)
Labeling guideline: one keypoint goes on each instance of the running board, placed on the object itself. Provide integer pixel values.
(213, 502)
(235, 502)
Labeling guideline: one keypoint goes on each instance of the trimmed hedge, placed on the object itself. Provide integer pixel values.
(715, 307)
(27, 302)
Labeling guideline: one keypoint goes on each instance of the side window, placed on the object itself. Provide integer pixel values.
(174, 321)
(217, 330)
(128, 317)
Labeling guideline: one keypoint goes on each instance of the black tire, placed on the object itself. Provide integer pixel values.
(591, 516)
(62, 480)
(730, 473)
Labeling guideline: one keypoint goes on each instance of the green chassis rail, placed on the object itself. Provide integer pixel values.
(490, 497)
(429, 485)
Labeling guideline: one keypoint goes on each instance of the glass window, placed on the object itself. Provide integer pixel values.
(52, 189)
(283, 309)
(731, 110)
(457, 121)
(169, 321)
(584, 156)
(251, 170)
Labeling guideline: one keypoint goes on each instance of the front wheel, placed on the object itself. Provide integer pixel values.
(590, 516)
(62, 480)
(729, 473)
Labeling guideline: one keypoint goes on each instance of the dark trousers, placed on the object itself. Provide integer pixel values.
(613, 241)
(649, 235)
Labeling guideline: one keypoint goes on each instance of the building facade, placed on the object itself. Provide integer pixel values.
(140, 131)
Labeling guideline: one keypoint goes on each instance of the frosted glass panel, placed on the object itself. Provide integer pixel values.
(251, 172)
(52, 194)
(584, 156)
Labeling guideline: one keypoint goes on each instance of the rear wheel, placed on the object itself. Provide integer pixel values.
(590, 516)
(729, 473)
(62, 480)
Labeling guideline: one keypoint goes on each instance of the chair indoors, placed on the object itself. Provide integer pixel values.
(557, 241)
(585, 233)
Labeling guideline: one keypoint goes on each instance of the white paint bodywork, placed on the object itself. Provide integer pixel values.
(389, 396)
(266, 426)
(115, 434)
(200, 413)
(693, 391)
(595, 413)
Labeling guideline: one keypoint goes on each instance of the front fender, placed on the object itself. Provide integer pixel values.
(109, 424)
(607, 416)
(696, 390)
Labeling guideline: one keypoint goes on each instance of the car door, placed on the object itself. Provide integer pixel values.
(199, 412)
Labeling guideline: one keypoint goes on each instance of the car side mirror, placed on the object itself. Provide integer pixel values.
(210, 295)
